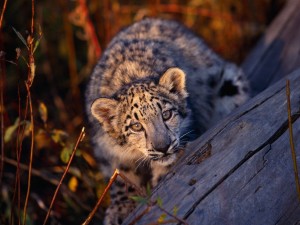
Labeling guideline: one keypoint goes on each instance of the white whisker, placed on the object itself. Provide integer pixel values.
(142, 159)
(186, 134)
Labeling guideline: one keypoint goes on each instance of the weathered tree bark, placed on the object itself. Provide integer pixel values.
(241, 171)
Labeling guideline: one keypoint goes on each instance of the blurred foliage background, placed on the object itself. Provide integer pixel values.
(69, 37)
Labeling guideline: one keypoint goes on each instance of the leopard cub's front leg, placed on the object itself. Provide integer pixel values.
(121, 204)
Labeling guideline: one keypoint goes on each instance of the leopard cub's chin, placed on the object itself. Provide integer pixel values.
(167, 160)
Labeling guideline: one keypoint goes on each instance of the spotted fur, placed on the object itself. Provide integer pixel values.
(156, 86)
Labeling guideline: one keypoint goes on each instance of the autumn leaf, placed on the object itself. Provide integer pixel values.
(43, 112)
(11, 129)
(89, 159)
(73, 184)
(175, 210)
(162, 218)
(42, 139)
(59, 136)
(65, 154)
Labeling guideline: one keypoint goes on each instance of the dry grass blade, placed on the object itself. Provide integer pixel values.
(31, 152)
(89, 28)
(17, 188)
(34, 172)
(2, 74)
(1, 96)
(79, 139)
(2, 12)
(32, 16)
(291, 138)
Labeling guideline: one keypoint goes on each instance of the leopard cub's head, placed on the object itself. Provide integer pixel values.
(147, 119)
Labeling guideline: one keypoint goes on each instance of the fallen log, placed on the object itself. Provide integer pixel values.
(239, 172)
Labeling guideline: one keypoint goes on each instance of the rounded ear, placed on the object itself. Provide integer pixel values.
(174, 81)
(104, 109)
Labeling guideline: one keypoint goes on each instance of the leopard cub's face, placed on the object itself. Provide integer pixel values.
(146, 120)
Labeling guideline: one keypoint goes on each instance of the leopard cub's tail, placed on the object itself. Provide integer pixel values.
(233, 91)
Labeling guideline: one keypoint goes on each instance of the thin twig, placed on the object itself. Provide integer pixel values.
(80, 138)
(111, 181)
(34, 172)
(89, 28)
(2, 76)
(28, 83)
(148, 208)
(2, 13)
(2, 69)
(31, 152)
(162, 222)
(32, 17)
(140, 216)
(291, 138)
(17, 188)
(74, 78)
(171, 215)
(45, 176)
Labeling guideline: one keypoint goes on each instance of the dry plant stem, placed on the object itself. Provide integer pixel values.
(34, 172)
(111, 181)
(18, 180)
(144, 212)
(82, 134)
(32, 16)
(31, 152)
(291, 138)
(171, 215)
(71, 52)
(45, 177)
(28, 84)
(150, 205)
(107, 20)
(2, 74)
(2, 13)
(162, 222)
(89, 28)
(17, 188)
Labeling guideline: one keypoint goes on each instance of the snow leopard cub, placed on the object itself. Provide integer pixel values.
(156, 86)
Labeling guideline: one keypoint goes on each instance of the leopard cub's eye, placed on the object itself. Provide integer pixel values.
(167, 114)
(136, 127)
